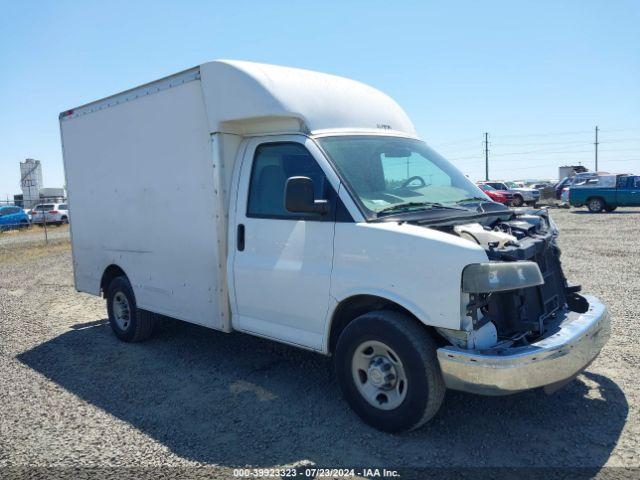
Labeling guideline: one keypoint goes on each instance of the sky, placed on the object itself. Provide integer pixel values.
(538, 76)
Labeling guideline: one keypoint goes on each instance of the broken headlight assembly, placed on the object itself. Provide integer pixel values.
(500, 276)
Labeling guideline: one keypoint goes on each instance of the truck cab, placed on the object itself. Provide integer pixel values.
(606, 193)
(323, 222)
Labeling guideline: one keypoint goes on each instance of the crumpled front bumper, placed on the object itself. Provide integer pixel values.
(571, 344)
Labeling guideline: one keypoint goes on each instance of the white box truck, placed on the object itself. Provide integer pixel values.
(303, 208)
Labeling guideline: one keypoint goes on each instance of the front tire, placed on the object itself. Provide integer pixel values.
(517, 201)
(388, 371)
(127, 322)
(595, 205)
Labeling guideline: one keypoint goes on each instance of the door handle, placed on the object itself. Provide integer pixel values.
(240, 237)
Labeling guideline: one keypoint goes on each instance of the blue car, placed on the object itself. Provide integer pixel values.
(12, 217)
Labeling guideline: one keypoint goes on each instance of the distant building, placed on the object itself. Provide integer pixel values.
(33, 192)
(570, 170)
(30, 182)
(52, 194)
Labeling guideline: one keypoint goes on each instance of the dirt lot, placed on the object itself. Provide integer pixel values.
(72, 395)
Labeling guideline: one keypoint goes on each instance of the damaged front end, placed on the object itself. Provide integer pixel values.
(520, 310)
(522, 325)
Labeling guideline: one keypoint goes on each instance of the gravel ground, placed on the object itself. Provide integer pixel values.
(72, 395)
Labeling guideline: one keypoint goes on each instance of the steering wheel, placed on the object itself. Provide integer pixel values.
(408, 181)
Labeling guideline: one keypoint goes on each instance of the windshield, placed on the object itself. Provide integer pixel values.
(511, 184)
(385, 172)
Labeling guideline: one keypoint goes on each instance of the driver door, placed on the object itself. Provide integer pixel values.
(282, 261)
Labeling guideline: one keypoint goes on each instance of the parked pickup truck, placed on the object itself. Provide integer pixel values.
(606, 192)
(322, 222)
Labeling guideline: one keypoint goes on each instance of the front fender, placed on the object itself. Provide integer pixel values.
(416, 267)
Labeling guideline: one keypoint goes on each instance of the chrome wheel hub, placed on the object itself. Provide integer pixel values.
(379, 375)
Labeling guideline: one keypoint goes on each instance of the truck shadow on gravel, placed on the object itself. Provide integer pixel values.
(237, 400)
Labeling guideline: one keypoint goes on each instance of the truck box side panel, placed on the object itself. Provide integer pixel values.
(142, 194)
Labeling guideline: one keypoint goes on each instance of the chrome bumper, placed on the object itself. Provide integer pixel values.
(573, 341)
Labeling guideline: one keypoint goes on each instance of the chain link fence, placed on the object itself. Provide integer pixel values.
(49, 215)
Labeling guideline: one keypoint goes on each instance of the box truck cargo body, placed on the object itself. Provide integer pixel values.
(302, 207)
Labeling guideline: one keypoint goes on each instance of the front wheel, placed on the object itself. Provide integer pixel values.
(127, 322)
(595, 205)
(518, 201)
(388, 371)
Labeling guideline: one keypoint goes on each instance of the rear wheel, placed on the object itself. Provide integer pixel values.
(388, 371)
(595, 205)
(127, 322)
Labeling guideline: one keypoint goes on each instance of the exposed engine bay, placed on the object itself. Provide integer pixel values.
(520, 316)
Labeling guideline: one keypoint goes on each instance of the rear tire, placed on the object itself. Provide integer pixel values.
(595, 205)
(388, 371)
(127, 322)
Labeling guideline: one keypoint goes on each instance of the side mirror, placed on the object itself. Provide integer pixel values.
(299, 197)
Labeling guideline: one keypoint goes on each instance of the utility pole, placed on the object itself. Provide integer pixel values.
(596, 145)
(486, 156)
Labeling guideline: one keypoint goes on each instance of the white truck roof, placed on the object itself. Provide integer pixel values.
(240, 96)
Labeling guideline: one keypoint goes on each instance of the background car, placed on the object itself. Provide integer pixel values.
(500, 196)
(560, 186)
(56, 213)
(577, 178)
(12, 217)
(521, 195)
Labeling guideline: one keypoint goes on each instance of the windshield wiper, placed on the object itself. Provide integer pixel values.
(472, 199)
(409, 205)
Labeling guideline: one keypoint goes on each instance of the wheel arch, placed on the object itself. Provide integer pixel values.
(592, 197)
(355, 305)
(111, 272)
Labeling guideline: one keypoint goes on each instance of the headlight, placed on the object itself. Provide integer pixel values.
(500, 276)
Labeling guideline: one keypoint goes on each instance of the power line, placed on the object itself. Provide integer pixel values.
(456, 142)
(549, 134)
(634, 129)
(543, 152)
(552, 134)
(519, 144)
(620, 140)
(540, 165)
